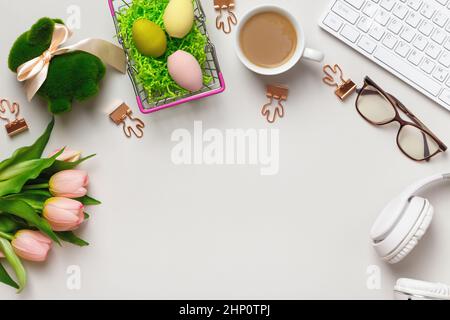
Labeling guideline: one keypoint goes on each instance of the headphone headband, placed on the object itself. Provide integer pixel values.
(418, 186)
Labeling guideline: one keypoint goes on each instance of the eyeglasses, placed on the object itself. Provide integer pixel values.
(414, 139)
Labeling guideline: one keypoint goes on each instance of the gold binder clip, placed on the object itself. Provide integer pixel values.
(17, 125)
(227, 6)
(120, 115)
(335, 78)
(275, 92)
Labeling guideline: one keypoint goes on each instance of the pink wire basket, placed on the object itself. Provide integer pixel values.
(149, 104)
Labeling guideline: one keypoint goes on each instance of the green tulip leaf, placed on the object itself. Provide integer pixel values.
(6, 278)
(23, 210)
(31, 152)
(14, 261)
(8, 224)
(14, 177)
(17, 169)
(69, 236)
(86, 216)
(58, 166)
(35, 198)
(88, 201)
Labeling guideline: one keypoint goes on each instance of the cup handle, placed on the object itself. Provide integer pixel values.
(314, 55)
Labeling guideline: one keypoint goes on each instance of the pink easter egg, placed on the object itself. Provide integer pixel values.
(185, 70)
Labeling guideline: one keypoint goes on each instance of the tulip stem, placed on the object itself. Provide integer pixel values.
(36, 186)
(6, 236)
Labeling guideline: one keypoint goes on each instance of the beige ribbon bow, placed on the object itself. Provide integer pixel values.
(35, 71)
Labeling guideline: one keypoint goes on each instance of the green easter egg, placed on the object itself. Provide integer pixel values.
(149, 38)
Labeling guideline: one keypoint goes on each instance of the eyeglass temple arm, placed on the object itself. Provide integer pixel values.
(426, 148)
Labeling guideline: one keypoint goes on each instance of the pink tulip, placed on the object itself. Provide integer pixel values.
(63, 214)
(31, 245)
(68, 155)
(69, 184)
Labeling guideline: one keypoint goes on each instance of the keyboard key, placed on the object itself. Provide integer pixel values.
(407, 34)
(350, 33)
(364, 23)
(395, 26)
(402, 67)
(370, 8)
(382, 17)
(367, 44)
(440, 74)
(427, 65)
(346, 12)
(356, 3)
(427, 10)
(402, 49)
(438, 36)
(388, 4)
(447, 44)
(333, 21)
(376, 31)
(440, 19)
(433, 50)
(420, 42)
(413, 19)
(426, 27)
(390, 41)
(414, 4)
(445, 96)
(415, 57)
(400, 11)
(445, 59)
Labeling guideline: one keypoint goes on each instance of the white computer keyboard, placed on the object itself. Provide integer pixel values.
(410, 38)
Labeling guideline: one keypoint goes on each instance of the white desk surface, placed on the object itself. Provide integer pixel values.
(226, 232)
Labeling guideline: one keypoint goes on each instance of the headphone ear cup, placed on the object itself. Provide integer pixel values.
(410, 289)
(416, 232)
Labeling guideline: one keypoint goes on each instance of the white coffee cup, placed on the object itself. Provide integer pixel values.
(300, 52)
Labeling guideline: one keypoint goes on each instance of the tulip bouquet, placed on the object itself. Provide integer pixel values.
(42, 201)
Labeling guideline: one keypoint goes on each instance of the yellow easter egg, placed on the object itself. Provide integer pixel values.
(179, 18)
(149, 38)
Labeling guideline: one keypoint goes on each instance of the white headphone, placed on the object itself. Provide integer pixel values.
(397, 231)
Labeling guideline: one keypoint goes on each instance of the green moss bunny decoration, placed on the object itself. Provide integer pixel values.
(71, 76)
